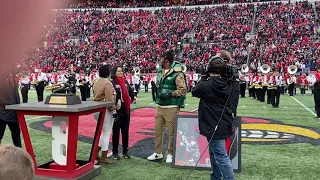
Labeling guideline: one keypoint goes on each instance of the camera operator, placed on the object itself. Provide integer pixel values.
(235, 92)
(216, 112)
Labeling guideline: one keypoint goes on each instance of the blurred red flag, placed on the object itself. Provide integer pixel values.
(22, 25)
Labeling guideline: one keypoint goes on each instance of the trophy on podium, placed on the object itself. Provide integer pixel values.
(65, 95)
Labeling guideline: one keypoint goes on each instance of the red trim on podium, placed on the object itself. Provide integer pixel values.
(72, 168)
(60, 167)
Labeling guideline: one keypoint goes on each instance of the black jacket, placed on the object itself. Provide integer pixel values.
(9, 95)
(214, 94)
(235, 96)
(122, 111)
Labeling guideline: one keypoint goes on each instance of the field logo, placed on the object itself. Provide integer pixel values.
(254, 131)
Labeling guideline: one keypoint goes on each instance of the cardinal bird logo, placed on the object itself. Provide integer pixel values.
(142, 122)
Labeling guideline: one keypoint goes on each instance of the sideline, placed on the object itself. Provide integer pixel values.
(313, 113)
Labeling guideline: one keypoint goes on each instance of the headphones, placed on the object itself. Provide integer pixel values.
(210, 61)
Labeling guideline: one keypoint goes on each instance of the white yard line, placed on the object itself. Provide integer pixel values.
(143, 98)
(313, 113)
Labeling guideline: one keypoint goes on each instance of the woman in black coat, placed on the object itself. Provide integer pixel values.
(124, 95)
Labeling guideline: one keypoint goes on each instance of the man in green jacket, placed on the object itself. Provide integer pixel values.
(171, 97)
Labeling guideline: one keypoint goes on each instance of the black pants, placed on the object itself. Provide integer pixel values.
(146, 86)
(250, 92)
(40, 89)
(254, 94)
(275, 97)
(24, 93)
(303, 90)
(88, 91)
(290, 89)
(15, 131)
(259, 93)
(263, 93)
(84, 95)
(317, 100)
(154, 92)
(122, 123)
(268, 96)
(137, 87)
(243, 89)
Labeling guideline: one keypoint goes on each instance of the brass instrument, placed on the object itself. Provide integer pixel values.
(265, 68)
(52, 87)
(272, 87)
(34, 82)
(253, 85)
(292, 69)
(136, 71)
(184, 68)
(258, 86)
(244, 68)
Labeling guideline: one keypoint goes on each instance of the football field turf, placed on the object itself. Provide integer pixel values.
(295, 157)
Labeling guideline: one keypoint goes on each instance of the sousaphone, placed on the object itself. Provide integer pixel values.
(265, 69)
(292, 69)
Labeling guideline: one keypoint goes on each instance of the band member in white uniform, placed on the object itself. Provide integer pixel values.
(24, 84)
(291, 84)
(42, 78)
(275, 83)
(136, 83)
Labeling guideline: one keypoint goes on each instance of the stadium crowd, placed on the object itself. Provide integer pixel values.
(151, 3)
(285, 34)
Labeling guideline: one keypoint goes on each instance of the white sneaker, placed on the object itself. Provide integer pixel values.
(169, 158)
(155, 156)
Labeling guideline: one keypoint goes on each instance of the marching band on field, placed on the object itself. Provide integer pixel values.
(264, 86)
(272, 83)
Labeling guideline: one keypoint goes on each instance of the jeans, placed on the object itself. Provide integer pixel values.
(220, 161)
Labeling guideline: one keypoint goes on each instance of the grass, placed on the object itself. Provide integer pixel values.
(259, 162)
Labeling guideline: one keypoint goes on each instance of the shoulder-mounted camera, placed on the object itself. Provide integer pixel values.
(230, 71)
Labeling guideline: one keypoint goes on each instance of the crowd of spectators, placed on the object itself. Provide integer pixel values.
(152, 3)
(285, 34)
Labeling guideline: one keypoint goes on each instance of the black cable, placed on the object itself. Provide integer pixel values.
(215, 129)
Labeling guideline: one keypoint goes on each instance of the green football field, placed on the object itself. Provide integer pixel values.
(260, 161)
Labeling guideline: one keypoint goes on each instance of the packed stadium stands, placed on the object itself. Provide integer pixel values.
(282, 34)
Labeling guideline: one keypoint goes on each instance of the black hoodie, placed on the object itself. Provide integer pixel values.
(214, 95)
(8, 95)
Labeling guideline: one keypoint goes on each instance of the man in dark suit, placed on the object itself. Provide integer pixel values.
(9, 95)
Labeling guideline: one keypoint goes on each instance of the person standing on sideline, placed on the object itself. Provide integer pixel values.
(103, 91)
(24, 83)
(83, 86)
(9, 95)
(172, 89)
(42, 78)
(216, 115)
(124, 95)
